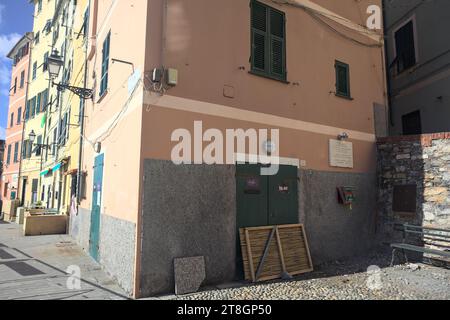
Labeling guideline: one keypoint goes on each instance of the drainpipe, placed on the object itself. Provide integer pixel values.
(388, 71)
(44, 136)
(60, 128)
(82, 105)
(164, 35)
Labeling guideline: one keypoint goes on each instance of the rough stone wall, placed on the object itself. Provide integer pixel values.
(423, 161)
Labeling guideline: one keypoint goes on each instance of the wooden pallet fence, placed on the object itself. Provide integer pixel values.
(275, 252)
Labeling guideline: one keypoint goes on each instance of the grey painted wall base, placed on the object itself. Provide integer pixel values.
(333, 230)
(190, 211)
(117, 245)
(117, 250)
(187, 211)
(79, 228)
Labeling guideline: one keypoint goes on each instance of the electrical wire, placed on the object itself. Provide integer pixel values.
(316, 15)
(330, 27)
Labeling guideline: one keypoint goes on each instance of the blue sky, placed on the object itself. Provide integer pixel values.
(16, 18)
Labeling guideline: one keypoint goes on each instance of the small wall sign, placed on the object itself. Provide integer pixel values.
(252, 185)
(341, 154)
(283, 188)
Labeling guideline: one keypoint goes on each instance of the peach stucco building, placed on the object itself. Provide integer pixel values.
(306, 68)
(20, 55)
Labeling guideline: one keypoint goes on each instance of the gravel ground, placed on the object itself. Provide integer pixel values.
(347, 280)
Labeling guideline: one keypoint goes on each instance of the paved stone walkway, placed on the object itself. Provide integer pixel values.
(35, 268)
(355, 279)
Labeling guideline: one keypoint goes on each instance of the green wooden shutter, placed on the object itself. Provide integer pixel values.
(38, 103)
(27, 111)
(105, 64)
(259, 37)
(16, 152)
(277, 43)
(8, 156)
(33, 107)
(342, 79)
(44, 100)
(268, 41)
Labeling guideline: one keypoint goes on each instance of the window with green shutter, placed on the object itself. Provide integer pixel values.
(105, 65)
(8, 155)
(44, 100)
(27, 110)
(342, 79)
(16, 152)
(33, 107)
(19, 115)
(34, 71)
(268, 37)
(38, 103)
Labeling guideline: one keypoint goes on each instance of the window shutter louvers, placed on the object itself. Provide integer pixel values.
(268, 41)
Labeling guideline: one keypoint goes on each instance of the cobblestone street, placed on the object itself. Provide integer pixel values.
(35, 268)
(349, 281)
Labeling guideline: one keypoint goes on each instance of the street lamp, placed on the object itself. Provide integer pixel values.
(32, 138)
(55, 62)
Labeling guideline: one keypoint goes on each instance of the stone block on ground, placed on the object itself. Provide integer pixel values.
(189, 274)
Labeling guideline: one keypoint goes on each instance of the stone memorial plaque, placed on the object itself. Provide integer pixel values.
(341, 154)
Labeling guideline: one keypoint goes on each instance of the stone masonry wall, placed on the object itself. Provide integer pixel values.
(423, 161)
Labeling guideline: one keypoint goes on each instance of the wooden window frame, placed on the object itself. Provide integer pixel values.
(411, 19)
(267, 72)
(347, 95)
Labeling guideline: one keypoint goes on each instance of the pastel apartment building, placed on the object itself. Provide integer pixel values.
(40, 102)
(20, 55)
(419, 66)
(306, 68)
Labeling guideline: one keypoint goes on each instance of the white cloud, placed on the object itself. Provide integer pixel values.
(2, 133)
(7, 42)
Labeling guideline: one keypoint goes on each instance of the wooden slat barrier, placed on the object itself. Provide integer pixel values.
(287, 253)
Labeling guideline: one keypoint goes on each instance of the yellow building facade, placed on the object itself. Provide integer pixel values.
(50, 163)
(41, 99)
(65, 124)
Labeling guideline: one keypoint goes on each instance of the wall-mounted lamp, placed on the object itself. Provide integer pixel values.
(32, 138)
(343, 136)
(55, 63)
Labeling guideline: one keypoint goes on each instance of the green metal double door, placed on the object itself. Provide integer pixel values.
(266, 200)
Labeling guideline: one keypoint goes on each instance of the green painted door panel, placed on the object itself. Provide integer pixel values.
(251, 196)
(264, 200)
(283, 197)
(94, 239)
